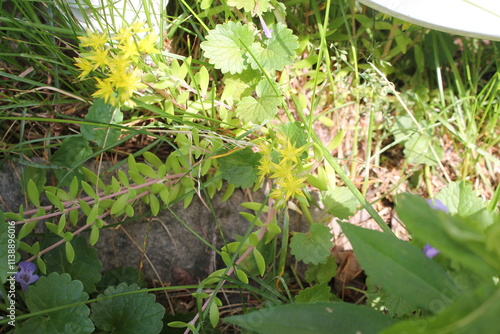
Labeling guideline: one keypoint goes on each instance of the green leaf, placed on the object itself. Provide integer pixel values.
(214, 314)
(313, 318)
(147, 171)
(475, 311)
(451, 235)
(318, 293)
(279, 50)
(127, 314)
(86, 266)
(241, 275)
(102, 134)
(418, 150)
(261, 109)
(313, 246)
(73, 188)
(33, 193)
(322, 272)
(460, 199)
(119, 205)
(54, 291)
(226, 45)
(89, 190)
(119, 275)
(239, 168)
(154, 204)
(26, 229)
(54, 200)
(256, 7)
(340, 202)
(73, 151)
(259, 260)
(94, 235)
(152, 159)
(70, 252)
(399, 267)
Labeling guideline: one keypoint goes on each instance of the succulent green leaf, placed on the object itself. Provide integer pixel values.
(226, 45)
(53, 291)
(313, 246)
(147, 171)
(152, 159)
(127, 314)
(54, 200)
(70, 252)
(33, 193)
(259, 260)
(214, 314)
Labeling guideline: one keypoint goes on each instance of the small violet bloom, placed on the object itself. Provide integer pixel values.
(25, 276)
(430, 251)
(437, 205)
(267, 32)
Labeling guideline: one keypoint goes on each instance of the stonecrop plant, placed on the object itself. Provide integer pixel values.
(243, 109)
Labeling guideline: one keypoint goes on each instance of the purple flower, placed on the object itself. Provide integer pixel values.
(25, 276)
(267, 32)
(430, 251)
(437, 205)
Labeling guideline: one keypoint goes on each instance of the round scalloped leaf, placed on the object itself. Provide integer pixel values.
(86, 266)
(127, 314)
(226, 45)
(54, 291)
(313, 246)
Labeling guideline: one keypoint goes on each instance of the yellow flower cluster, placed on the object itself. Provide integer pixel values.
(286, 172)
(118, 58)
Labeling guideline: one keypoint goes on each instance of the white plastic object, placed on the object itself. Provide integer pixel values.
(473, 18)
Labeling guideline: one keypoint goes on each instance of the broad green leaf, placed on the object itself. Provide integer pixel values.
(33, 193)
(127, 314)
(322, 272)
(454, 237)
(239, 85)
(474, 311)
(399, 267)
(52, 291)
(102, 134)
(318, 293)
(73, 151)
(86, 266)
(279, 50)
(418, 150)
(226, 45)
(263, 108)
(313, 246)
(313, 318)
(340, 202)
(255, 7)
(239, 168)
(460, 198)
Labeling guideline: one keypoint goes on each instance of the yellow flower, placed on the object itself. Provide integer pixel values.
(100, 57)
(291, 153)
(94, 40)
(148, 44)
(85, 66)
(106, 91)
(291, 186)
